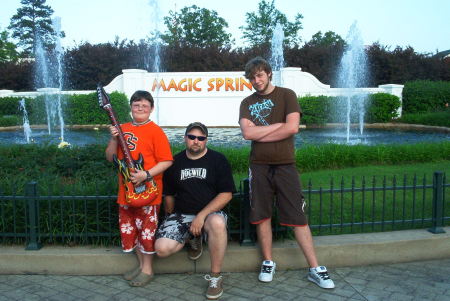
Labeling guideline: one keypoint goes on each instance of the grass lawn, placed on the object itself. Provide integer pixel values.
(373, 208)
(322, 178)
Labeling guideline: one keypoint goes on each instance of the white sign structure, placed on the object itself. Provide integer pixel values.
(210, 97)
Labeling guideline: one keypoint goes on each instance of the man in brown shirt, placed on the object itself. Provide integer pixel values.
(270, 118)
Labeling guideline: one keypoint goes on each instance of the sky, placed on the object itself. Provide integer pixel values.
(422, 24)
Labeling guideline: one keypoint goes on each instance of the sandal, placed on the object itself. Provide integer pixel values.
(132, 274)
(141, 280)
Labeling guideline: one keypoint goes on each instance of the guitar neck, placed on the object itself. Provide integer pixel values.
(122, 143)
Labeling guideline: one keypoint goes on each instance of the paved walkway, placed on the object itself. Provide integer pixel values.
(426, 280)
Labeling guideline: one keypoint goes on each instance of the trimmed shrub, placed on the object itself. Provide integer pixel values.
(382, 107)
(84, 109)
(433, 118)
(10, 105)
(10, 120)
(316, 109)
(77, 109)
(425, 96)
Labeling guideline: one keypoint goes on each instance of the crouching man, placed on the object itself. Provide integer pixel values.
(196, 188)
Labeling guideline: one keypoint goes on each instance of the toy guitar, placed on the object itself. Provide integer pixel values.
(139, 195)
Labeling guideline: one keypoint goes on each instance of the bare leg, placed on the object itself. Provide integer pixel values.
(165, 247)
(305, 241)
(145, 262)
(264, 232)
(217, 240)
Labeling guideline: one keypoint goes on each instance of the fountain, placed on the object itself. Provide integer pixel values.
(56, 24)
(49, 80)
(352, 74)
(156, 53)
(26, 123)
(277, 57)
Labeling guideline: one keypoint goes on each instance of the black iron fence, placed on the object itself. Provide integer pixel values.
(363, 205)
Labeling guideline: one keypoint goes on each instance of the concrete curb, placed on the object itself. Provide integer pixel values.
(332, 251)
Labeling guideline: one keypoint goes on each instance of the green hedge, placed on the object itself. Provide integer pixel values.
(10, 112)
(10, 120)
(84, 109)
(77, 109)
(49, 163)
(380, 107)
(425, 96)
(316, 109)
(432, 118)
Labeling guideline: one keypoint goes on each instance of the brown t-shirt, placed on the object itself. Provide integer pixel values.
(266, 110)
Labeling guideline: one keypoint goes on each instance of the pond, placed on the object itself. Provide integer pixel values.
(232, 137)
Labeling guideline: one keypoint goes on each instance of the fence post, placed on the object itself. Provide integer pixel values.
(437, 219)
(246, 237)
(32, 205)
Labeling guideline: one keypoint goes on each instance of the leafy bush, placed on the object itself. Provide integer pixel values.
(316, 109)
(88, 163)
(382, 107)
(77, 109)
(425, 96)
(10, 120)
(10, 105)
(84, 109)
(433, 118)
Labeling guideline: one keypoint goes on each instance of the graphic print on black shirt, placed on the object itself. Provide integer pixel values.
(199, 173)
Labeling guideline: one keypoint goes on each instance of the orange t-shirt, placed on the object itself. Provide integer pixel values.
(150, 141)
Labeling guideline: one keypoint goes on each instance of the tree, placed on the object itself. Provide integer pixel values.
(329, 38)
(31, 21)
(260, 25)
(195, 26)
(8, 52)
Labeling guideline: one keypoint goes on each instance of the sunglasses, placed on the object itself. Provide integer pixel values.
(193, 137)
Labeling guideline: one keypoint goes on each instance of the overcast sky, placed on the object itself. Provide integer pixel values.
(422, 24)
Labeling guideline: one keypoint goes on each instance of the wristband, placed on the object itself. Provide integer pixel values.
(149, 176)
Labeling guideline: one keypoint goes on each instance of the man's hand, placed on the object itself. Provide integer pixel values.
(197, 225)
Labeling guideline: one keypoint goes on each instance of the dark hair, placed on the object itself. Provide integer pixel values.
(255, 65)
(140, 94)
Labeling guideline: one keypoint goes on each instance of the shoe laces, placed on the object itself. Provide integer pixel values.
(266, 269)
(323, 275)
(213, 281)
(194, 243)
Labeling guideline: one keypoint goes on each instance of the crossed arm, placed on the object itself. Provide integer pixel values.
(216, 204)
(270, 133)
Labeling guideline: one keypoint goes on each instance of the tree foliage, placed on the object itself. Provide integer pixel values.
(329, 38)
(8, 52)
(32, 21)
(195, 26)
(260, 25)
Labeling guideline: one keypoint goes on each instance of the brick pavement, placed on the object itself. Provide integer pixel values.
(425, 280)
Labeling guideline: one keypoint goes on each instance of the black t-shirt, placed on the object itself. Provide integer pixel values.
(194, 183)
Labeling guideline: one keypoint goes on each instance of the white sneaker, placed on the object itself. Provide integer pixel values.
(319, 276)
(267, 271)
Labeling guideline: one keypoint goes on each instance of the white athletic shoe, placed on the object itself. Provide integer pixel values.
(319, 276)
(267, 271)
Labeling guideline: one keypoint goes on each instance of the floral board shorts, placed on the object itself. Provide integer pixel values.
(176, 226)
(138, 227)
